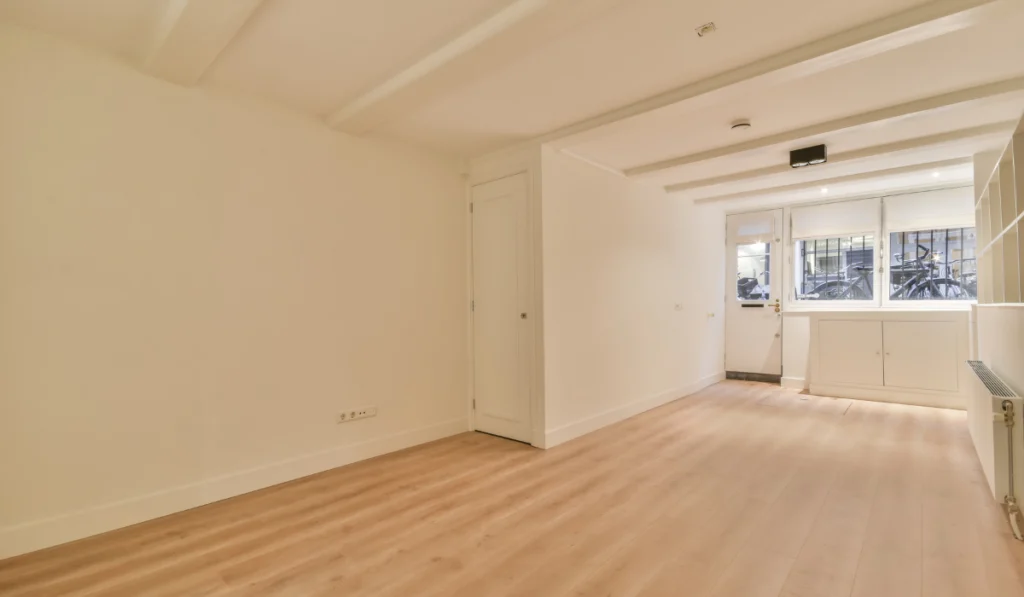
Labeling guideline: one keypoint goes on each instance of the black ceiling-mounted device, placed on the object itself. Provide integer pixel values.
(808, 156)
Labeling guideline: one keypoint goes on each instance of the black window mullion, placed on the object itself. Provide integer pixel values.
(814, 263)
(945, 256)
(931, 251)
(963, 253)
(828, 255)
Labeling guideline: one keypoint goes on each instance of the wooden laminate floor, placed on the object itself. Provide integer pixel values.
(744, 490)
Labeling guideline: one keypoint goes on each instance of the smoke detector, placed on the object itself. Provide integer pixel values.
(706, 29)
(740, 125)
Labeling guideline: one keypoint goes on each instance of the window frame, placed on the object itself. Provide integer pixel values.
(882, 276)
(796, 261)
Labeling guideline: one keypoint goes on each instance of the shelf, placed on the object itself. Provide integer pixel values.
(1011, 266)
(999, 223)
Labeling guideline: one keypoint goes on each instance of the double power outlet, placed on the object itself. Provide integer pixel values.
(358, 413)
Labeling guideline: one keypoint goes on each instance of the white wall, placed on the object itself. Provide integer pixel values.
(796, 345)
(1001, 342)
(630, 276)
(193, 287)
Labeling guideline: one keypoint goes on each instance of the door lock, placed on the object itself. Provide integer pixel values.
(522, 316)
(778, 306)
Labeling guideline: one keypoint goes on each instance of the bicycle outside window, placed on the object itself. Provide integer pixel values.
(933, 265)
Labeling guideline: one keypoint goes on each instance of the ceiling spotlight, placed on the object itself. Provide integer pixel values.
(808, 156)
(824, 190)
(741, 125)
(936, 174)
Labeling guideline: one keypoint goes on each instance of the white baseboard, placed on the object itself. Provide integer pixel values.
(571, 431)
(796, 383)
(897, 396)
(39, 534)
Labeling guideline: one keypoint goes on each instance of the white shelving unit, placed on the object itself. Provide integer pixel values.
(1000, 211)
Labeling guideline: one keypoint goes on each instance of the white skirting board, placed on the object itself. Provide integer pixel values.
(39, 534)
(894, 395)
(796, 383)
(562, 434)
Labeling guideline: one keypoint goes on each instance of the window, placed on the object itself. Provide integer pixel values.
(933, 265)
(753, 272)
(835, 269)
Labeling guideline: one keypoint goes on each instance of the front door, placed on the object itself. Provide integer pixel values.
(501, 324)
(753, 312)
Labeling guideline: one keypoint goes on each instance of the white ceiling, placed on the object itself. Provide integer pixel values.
(627, 85)
(637, 49)
(317, 55)
(906, 74)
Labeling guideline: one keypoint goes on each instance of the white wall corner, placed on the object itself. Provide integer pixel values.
(39, 534)
(505, 162)
(560, 435)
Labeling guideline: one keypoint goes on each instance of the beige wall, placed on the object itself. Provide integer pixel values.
(630, 276)
(193, 287)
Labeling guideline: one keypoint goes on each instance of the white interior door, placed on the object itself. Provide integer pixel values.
(753, 312)
(501, 326)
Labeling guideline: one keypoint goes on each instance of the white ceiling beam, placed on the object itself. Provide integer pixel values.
(927, 142)
(497, 24)
(191, 34)
(912, 26)
(816, 130)
(837, 180)
(593, 163)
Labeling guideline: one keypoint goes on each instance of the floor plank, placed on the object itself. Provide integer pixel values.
(742, 489)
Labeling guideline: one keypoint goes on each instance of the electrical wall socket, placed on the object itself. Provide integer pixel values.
(357, 413)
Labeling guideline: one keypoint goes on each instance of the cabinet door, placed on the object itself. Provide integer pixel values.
(921, 355)
(850, 352)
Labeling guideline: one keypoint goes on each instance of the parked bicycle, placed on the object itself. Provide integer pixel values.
(918, 279)
(912, 280)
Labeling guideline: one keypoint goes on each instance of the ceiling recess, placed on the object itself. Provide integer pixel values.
(706, 29)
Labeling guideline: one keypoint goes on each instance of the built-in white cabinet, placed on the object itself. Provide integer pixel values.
(920, 355)
(850, 352)
(909, 357)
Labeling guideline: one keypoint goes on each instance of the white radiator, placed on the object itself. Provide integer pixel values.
(994, 414)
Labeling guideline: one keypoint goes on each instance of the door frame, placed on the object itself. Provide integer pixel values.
(528, 163)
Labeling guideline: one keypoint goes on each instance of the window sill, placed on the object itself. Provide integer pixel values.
(916, 308)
